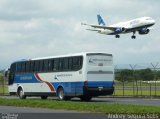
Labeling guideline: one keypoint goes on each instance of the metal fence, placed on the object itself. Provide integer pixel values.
(136, 80)
(3, 85)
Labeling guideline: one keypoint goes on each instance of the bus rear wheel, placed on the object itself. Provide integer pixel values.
(21, 94)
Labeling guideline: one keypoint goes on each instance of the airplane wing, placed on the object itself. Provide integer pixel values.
(93, 30)
(100, 27)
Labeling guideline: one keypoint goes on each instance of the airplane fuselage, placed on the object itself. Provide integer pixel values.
(129, 26)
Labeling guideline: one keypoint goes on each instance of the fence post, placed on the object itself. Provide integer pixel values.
(155, 77)
(141, 86)
(133, 68)
(150, 89)
(123, 85)
(115, 71)
(3, 85)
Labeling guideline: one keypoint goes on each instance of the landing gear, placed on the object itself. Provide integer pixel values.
(133, 36)
(117, 36)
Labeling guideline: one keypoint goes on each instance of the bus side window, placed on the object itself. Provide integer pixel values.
(41, 66)
(18, 69)
(32, 66)
(36, 67)
(77, 63)
(50, 64)
(46, 66)
(56, 65)
(23, 67)
(70, 63)
(65, 64)
(61, 64)
(28, 66)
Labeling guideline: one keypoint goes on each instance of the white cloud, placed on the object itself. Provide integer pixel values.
(148, 48)
(32, 28)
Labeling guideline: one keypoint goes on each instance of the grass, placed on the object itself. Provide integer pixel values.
(3, 89)
(81, 106)
(1, 77)
(135, 93)
(119, 89)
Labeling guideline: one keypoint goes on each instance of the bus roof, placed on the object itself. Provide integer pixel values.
(72, 54)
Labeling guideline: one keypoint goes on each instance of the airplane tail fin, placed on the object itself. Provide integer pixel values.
(100, 20)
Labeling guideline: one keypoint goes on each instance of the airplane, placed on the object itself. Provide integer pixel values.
(139, 25)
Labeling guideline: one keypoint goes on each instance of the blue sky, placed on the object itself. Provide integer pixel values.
(38, 28)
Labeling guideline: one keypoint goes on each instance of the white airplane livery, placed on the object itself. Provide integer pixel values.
(139, 25)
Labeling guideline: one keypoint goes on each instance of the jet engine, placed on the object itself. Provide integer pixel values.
(143, 31)
(119, 30)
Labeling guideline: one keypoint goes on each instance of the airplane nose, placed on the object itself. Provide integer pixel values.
(153, 22)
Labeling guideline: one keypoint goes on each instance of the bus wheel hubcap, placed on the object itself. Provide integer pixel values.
(61, 94)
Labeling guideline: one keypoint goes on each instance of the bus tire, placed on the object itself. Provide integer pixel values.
(44, 97)
(21, 94)
(60, 94)
(86, 98)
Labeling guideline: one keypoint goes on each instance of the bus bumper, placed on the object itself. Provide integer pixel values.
(96, 91)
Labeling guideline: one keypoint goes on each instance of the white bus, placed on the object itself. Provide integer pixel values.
(83, 75)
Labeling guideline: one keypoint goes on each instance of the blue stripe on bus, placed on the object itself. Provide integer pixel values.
(100, 83)
(26, 78)
(70, 87)
(76, 88)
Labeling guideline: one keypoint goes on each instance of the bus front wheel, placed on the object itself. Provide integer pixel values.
(60, 94)
(21, 93)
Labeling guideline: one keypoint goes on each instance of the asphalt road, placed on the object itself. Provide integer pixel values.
(11, 112)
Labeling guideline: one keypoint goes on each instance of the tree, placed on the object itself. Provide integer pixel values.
(131, 75)
(124, 75)
(146, 74)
